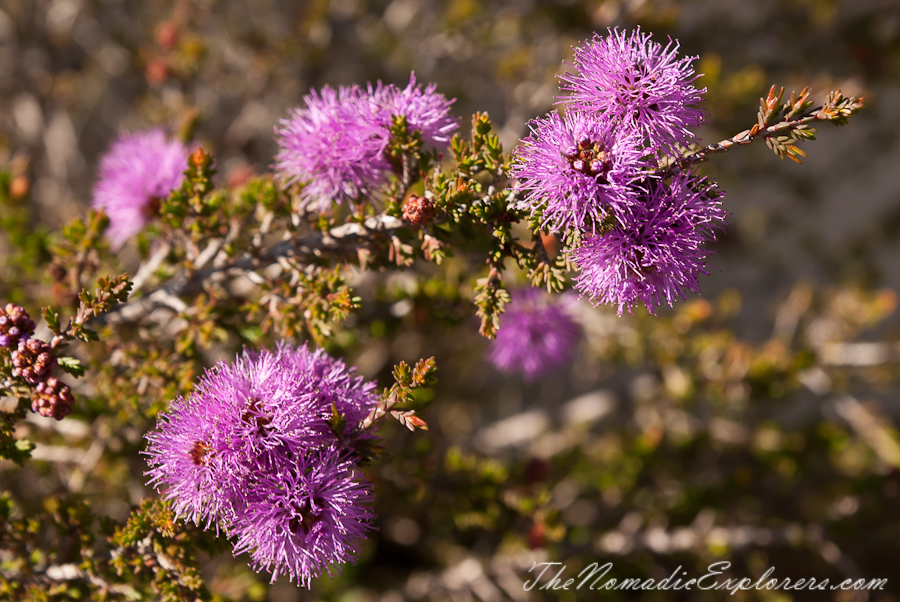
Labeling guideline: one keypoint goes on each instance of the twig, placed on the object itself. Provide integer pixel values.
(146, 270)
(745, 137)
(542, 251)
(406, 179)
(318, 244)
(870, 429)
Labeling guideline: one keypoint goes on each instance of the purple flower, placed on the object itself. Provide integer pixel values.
(576, 169)
(139, 170)
(207, 447)
(336, 144)
(425, 110)
(637, 83)
(657, 249)
(536, 335)
(308, 513)
(191, 464)
(330, 381)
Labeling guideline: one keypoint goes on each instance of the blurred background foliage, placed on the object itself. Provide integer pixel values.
(753, 424)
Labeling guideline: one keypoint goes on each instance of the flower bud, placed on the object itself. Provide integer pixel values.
(32, 361)
(418, 210)
(15, 326)
(52, 399)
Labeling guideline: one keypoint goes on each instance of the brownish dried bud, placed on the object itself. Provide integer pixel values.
(418, 210)
(537, 536)
(19, 187)
(551, 244)
(200, 158)
(15, 326)
(57, 272)
(52, 399)
(536, 471)
(167, 35)
(63, 296)
(156, 71)
(32, 361)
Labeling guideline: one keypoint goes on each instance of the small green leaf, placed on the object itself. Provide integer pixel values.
(71, 365)
(402, 374)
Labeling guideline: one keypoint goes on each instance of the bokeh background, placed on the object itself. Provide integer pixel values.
(754, 423)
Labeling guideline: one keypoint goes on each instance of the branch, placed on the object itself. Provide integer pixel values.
(783, 136)
(60, 573)
(146, 270)
(406, 179)
(337, 241)
(745, 137)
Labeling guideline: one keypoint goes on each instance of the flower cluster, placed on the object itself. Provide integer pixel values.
(657, 249)
(536, 335)
(52, 399)
(253, 450)
(32, 361)
(336, 144)
(15, 325)
(637, 83)
(139, 171)
(595, 171)
(578, 168)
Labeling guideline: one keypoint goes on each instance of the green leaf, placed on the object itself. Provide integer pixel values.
(402, 374)
(52, 318)
(71, 365)
(251, 332)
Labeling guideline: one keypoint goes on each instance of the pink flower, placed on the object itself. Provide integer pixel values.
(536, 335)
(139, 170)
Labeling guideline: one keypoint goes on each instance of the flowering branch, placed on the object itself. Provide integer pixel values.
(268, 448)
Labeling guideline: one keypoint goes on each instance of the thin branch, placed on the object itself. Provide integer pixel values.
(406, 180)
(745, 137)
(542, 251)
(335, 242)
(146, 270)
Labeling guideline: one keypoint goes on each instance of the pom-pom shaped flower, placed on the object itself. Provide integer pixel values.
(328, 381)
(207, 447)
(307, 514)
(657, 249)
(637, 83)
(336, 144)
(139, 170)
(193, 461)
(576, 169)
(425, 110)
(536, 334)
